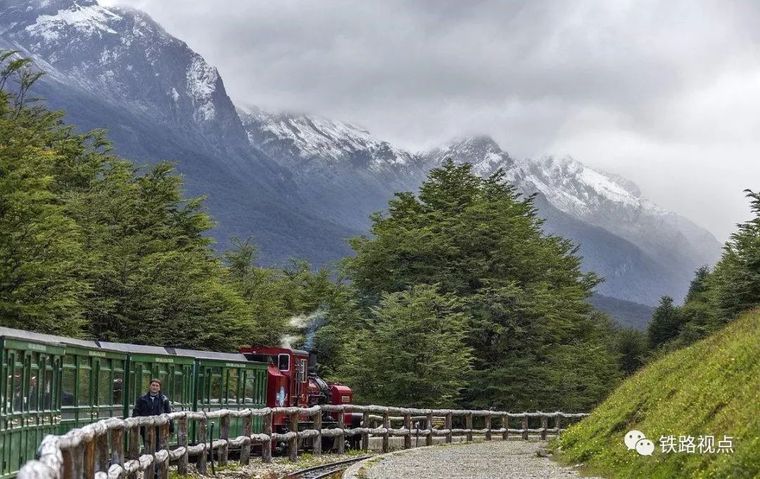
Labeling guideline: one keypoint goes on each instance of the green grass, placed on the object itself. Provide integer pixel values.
(709, 388)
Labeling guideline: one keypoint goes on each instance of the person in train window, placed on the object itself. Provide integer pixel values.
(153, 403)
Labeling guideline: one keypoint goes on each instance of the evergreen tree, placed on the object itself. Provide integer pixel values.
(525, 296)
(735, 282)
(40, 245)
(413, 353)
(665, 325)
(92, 245)
(632, 347)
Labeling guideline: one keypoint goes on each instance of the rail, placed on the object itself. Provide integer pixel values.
(110, 449)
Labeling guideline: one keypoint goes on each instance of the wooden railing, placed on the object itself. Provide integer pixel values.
(110, 449)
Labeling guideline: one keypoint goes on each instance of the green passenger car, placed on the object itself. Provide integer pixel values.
(227, 381)
(52, 384)
(30, 406)
(92, 386)
(146, 362)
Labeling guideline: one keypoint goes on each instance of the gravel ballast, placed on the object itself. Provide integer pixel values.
(484, 460)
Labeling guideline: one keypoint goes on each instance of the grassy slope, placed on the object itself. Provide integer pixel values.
(709, 388)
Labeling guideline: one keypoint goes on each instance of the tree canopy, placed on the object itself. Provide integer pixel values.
(534, 340)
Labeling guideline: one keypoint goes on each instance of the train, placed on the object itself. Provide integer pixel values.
(52, 384)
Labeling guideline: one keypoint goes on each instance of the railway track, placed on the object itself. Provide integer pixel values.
(325, 471)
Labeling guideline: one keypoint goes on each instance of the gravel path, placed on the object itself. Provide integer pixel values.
(485, 460)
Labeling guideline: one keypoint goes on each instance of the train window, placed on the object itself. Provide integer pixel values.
(283, 362)
(232, 385)
(105, 387)
(118, 387)
(68, 386)
(83, 392)
(47, 391)
(216, 386)
(34, 389)
(177, 396)
(250, 386)
(18, 396)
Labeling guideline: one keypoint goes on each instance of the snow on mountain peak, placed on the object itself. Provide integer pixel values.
(201, 85)
(311, 137)
(88, 18)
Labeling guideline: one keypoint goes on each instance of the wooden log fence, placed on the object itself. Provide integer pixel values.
(110, 449)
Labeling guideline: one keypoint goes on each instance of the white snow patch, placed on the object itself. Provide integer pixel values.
(88, 19)
(316, 137)
(201, 85)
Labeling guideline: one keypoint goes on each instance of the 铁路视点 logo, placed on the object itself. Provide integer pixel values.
(669, 444)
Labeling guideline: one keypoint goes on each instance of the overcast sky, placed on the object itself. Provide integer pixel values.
(664, 93)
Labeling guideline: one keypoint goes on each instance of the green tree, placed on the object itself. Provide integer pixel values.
(41, 287)
(92, 245)
(665, 325)
(632, 347)
(413, 353)
(735, 281)
(523, 291)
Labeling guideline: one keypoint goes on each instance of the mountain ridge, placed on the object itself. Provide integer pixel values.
(303, 183)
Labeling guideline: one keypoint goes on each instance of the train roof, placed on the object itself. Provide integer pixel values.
(45, 338)
(235, 357)
(134, 348)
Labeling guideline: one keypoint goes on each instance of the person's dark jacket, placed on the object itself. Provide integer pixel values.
(148, 405)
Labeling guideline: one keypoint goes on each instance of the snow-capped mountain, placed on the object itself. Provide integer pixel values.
(302, 139)
(116, 68)
(301, 184)
(673, 245)
(123, 56)
(343, 170)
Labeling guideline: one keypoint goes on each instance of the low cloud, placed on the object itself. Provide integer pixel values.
(665, 93)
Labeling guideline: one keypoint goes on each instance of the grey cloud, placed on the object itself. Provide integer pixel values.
(539, 76)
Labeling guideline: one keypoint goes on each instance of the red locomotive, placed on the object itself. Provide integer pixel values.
(292, 381)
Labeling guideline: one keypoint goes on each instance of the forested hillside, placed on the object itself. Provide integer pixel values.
(92, 246)
(457, 298)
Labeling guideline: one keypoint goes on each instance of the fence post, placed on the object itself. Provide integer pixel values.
(408, 426)
(429, 427)
(448, 426)
(266, 447)
(386, 426)
(150, 448)
(557, 423)
(224, 434)
(182, 442)
(163, 443)
(134, 446)
(78, 456)
(318, 439)
(101, 452)
(525, 427)
(544, 426)
(117, 446)
(365, 435)
(68, 464)
(488, 426)
(468, 426)
(505, 426)
(342, 438)
(293, 442)
(245, 449)
(202, 439)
